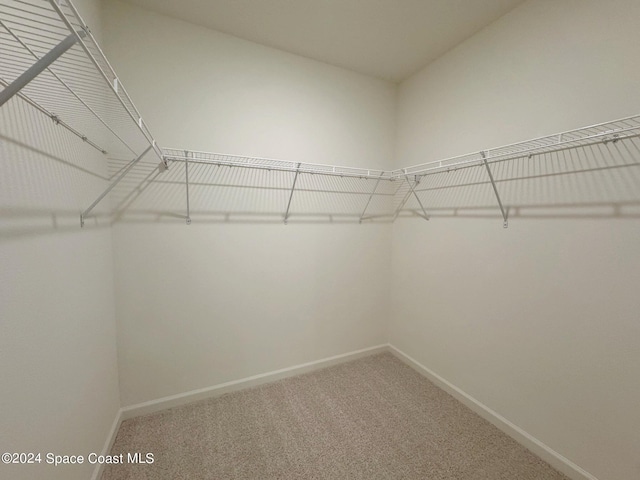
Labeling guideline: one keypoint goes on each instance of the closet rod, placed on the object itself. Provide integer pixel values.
(258, 163)
(221, 163)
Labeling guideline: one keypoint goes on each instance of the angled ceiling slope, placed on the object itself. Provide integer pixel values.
(389, 39)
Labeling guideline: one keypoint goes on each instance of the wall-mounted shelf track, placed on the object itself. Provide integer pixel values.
(50, 59)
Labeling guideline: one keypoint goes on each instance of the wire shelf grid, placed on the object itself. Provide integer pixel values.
(81, 92)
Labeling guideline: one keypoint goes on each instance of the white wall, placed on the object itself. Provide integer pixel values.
(59, 385)
(209, 303)
(540, 321)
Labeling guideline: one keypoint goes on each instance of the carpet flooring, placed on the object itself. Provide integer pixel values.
(372, 418)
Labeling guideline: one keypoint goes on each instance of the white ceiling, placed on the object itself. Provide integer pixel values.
(389, 39)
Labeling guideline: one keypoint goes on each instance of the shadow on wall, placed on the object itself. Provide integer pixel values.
(48, 177)
(592, 181)
(600, 180)
(229, 194)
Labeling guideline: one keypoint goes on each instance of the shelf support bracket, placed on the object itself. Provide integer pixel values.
(412, 187)
(293, 187)
(84, 214)
(186, 176)
(371, 197)
(406, 197)
(404, 200)
(37, 68)
(505, 214)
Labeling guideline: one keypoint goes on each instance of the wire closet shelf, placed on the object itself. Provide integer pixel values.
(50, 59)
(608, 145)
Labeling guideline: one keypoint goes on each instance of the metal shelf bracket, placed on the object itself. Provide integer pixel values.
(186, 176)
(293, 187)
(412, 187)
(407, 195)
(370, 197)
(505, 213)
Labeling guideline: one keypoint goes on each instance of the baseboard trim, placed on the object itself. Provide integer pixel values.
(111, 438)
(546, 453)
(163, 403)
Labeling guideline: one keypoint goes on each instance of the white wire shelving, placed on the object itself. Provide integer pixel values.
(50, 59)
(501, 178)
(340, 192)
(602, 133)
(605, 146)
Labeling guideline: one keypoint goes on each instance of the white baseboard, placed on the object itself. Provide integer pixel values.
(217, 390)
(111, 437)
(546, 453)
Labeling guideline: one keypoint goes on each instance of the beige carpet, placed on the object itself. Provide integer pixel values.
(373, 418)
